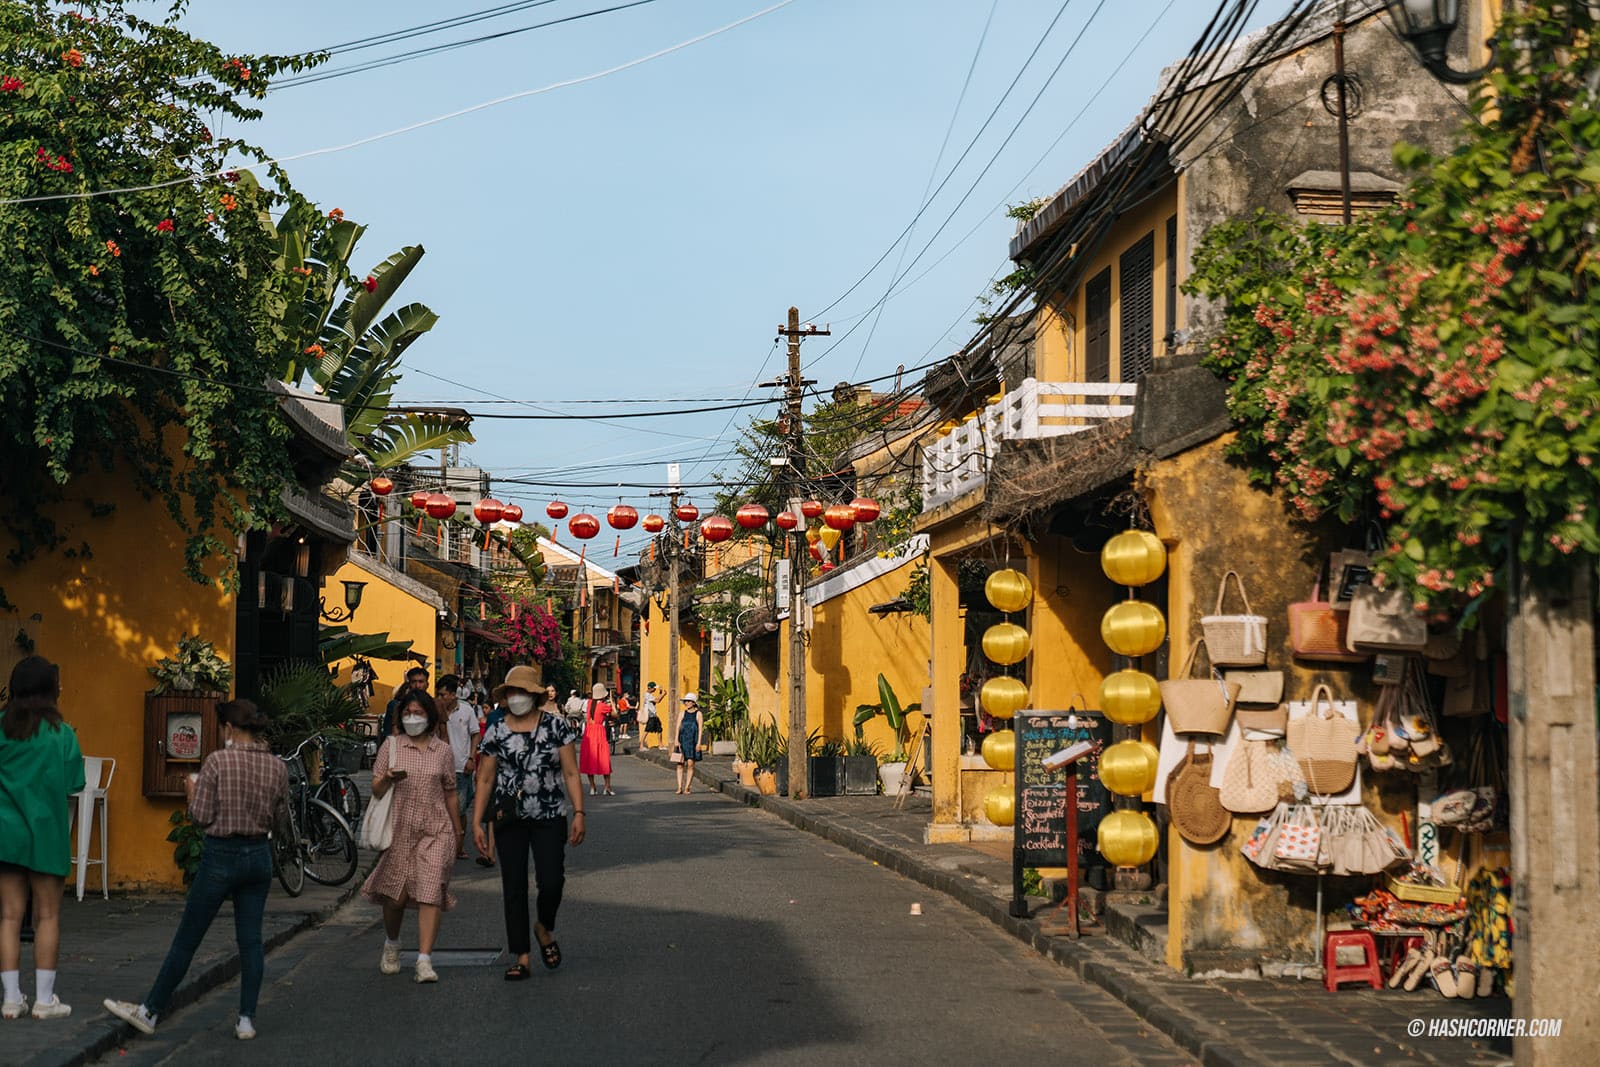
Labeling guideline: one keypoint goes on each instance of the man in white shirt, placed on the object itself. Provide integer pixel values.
(647, 710)
(461, 726)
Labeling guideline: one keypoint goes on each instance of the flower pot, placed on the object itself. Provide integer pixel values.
(860, 776)
(826, 774)
(767, 782)
(746, 770)
(890, 774)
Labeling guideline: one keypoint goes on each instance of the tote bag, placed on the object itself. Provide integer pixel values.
(1198, 705)
(1318, 628)
(1383, 620)
(377, 825)
(1235, 640)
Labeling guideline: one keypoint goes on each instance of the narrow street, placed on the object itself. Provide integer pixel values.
(694, 930)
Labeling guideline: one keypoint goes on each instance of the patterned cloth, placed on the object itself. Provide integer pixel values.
(595, 756)
(416, 866)
(240, 792)
(530, 762)
(1490, 926)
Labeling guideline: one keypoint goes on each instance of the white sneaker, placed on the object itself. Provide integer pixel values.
(53, 1009)
(244, 1029)
(14, 1009)
(134, 1015)
(425, 971)
(390, 963)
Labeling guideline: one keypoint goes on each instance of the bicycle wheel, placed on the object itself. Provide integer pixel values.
(346, 799)
(287, 861)
(330, 847)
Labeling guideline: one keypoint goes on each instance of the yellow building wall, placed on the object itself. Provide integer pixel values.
(1071, 595)
(105, 618)
(385, 608)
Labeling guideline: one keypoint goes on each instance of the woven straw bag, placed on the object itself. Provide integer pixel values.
(1266, 720)
(1324, 743)
(1257, 687)
(1383, 620)
(1198, 705)
(1235, 640)
(1249, 784)
(1318, 628)
(1193, 803)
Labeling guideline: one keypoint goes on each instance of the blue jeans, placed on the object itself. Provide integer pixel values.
(465, 791)
(230, 866)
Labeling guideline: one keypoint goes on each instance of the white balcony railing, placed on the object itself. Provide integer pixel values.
(959, 462)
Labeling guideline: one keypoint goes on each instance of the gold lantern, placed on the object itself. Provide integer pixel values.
(1003, 696)
(1000, 804)
(1131, 628)
(1008, 590)
(1128, 768)
(1130, 698)
(1128, 838)
(1134, 557)
(830, 537)
(1000, 750)
(1006, 643)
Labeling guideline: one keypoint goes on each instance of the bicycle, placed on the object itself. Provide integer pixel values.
(316, 843)
(338, 789)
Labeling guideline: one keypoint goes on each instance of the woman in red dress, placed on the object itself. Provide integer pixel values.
(595, 756)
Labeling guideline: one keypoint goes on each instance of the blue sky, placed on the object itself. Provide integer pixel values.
(640, 236)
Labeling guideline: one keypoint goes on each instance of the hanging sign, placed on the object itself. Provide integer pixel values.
(1054, 748)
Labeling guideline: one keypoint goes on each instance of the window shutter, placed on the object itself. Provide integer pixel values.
(1172, 279)
(1097, 328)
(1137, 295)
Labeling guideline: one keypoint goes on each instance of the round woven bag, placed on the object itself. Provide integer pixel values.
(1194, 804)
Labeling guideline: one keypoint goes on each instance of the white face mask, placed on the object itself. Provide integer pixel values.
(414, 724)
(519, 703)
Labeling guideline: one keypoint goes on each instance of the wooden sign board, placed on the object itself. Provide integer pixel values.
(1049, 799)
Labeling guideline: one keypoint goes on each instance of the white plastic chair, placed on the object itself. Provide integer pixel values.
(92, 794)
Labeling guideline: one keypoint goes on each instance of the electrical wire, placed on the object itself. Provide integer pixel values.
(409, 32)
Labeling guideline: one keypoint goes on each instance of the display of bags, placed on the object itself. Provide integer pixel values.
(1298, 846)
(1318, 627)
(1198, 705)
(1470, 691)
(1384, 620)
(1263, 721)
(1249, 783)
(1235, 640)
(1324, 743)
(1257, 687)
(1342, 839)
(1193, 803)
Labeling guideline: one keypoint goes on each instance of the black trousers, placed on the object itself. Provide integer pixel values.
(546, 840)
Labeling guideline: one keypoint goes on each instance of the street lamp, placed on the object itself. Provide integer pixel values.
(352, 601)
(1427, 26)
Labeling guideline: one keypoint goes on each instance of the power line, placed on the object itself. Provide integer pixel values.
(425, 28)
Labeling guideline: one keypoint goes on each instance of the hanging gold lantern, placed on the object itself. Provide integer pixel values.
(1128, 768)
(1000, 804)
(1008, 590)
(1006, 643)
(1130, 698)
(1000, 750)
(1002, 696)
(1134, 557)
(830, 537)
(1128, 838)
(1133, 628)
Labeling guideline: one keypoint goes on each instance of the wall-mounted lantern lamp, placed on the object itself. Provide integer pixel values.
(352, 601)
(1427, 25)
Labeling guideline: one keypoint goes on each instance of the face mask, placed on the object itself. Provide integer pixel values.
(519, 703)
(414, 724)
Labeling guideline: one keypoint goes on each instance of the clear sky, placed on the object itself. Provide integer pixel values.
(640, 236)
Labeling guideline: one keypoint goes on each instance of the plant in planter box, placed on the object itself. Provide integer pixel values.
(894, 713)
(727, 706)
(196, 668)
(860, 767)
(825, 764)
(180, 724)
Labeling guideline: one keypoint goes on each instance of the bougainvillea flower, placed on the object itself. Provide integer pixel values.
(10, 84)
(164, 226)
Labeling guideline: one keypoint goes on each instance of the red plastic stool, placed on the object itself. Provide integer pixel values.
(1368, 970)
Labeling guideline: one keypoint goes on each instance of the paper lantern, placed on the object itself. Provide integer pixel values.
(381, 486)
(813, 535)
(811, 508)
(1133, 628)
(1000, 750)
(717, 528)
(787, 520)
(419, 499)
(1006, 643)
(825, 568)
(751, 516)
(556, 509)
(816, 553)
(1128, 838)
(440, 505)
(622, 517)
(1008, 590)
(999, 805)
(488, 511)
(830, 537)
(584, 526)
(654, 523)
(512, 513)
(1003, 696)
(1128, 768)
(840, 516)
(1134, 557)
(866, 508)
(687, 512)
(1130, 698)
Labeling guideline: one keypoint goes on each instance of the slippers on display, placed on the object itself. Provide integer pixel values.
(1407, 965)
(1443, 976)
(1466, 977)
(1419, 971)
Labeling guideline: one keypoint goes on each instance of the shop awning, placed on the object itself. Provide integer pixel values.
(485, 635)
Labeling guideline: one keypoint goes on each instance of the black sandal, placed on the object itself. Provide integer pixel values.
(518, 972)
(551, 954)
(484, 861)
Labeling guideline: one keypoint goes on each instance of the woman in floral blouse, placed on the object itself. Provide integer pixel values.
(527, 766)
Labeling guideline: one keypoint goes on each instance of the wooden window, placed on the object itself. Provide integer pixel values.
(1172, 280)
(1137, 295)
(1097, 328)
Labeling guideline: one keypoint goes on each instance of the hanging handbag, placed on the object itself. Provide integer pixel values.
(1192, 801)
(1235, 640)
(1198, 705)
(1259, 846)
(1471, 691)
(1248, 783)
(1264, 722)
(1298, 846)
(377, 825)
(1384, 620)
(1318, 627)
(1324, 743)
(1257, 687)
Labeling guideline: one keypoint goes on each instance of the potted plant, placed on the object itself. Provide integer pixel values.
(825, 765)
(746, 748)
(180, 726)
(726, 708)
(769, 750)
(860, 768)
(889, 706)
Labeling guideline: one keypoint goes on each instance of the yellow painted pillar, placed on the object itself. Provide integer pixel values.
(949, 657)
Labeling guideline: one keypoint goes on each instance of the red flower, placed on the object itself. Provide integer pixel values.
(10, 84)
(164, 226)
(371, 283)
(72, 57)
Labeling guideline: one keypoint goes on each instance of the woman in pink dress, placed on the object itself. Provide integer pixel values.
(595, 756)
(414, 872)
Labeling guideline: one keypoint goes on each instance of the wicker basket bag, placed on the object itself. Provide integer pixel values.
(1324, 743)
(1198, 705)
(1235, 640)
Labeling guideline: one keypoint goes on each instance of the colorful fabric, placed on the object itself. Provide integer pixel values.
(239, 792)
(529, 763)
(36, 777)
(1491, 924)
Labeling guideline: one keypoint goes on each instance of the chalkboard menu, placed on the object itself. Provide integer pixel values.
(1041, 801)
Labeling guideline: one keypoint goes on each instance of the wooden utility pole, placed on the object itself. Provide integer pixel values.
(670, 557)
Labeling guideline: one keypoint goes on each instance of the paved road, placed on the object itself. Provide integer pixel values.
(695, 931)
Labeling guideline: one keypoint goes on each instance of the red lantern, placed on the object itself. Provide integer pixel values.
(622, 517)
(381, 486)
(866, 508)
(825, 568)
(717, 528)
(488, 511)
(787, 520)
(440, 505)
(840, 517)
(751, 516)
(811, 508)
(816, 553)
(654, 523)
(687, 512)
(556, 509)
(584, 526)
(511, 513)
(419, 499)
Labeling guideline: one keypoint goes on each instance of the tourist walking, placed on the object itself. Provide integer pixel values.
(414, 871)
(690, 740)
(416, 682)
(40, 766)
(240, 794)
(528, 767)
(646, 712)
(596, 755)
(461, 730)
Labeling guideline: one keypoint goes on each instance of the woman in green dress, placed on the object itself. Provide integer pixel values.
(40, 767)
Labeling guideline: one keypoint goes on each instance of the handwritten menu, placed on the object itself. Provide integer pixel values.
(1041, 827)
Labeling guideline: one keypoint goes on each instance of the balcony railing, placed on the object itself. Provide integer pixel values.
(959, 462)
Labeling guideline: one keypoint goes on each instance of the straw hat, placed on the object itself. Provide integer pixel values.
(523, 677)
(598, 692)
(690, 698)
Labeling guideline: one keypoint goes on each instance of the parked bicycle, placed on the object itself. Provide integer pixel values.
(317, 842)
(337, 788)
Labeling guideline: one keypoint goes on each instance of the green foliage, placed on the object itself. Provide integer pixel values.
(762, 744)
(1032, 882)
(860, 746)
(726, 706)
(301, 701)
(196, 668)
(189, 843)
(894, 714)
(335, 643)
(825, 747)
(719, 601)
(1437, 362)
(919, 590)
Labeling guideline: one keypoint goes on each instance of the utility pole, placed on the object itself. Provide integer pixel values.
(794, 393)
(671, 558)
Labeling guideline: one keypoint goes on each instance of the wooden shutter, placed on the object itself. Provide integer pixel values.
(1137, 296)
(1097, 328)
(1172, 280)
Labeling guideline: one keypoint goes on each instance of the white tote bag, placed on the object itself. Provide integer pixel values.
(377, 825)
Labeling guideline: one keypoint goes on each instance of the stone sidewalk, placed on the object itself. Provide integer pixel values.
(1222, 1022)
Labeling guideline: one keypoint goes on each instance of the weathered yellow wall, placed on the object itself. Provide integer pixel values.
(1071, 594)
(106, 617)
(385, 608)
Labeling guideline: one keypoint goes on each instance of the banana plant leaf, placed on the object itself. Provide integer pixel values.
(337, 642)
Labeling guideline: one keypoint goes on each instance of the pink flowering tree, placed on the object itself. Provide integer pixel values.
(532, 633)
